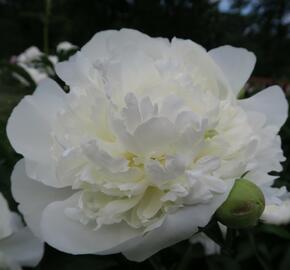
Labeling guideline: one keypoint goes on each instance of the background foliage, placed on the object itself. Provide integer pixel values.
(262, 26)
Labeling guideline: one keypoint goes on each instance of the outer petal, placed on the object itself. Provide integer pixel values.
(29, 124)
(16, 222)
(5, 226)
(236, 63)
(177, 227)
(79, 72)
(33, 196)
(193, 56)
(124, 45)
(73, 237)
(109, 42)
(271, 102)
(22, 247)
(6, 262)
(29, 127)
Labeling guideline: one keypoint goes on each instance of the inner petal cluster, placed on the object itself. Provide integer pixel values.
(140, 159)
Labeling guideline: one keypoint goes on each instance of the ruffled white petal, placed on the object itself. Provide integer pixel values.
(154, 135)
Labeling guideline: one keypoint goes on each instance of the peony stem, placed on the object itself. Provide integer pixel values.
(46, 27)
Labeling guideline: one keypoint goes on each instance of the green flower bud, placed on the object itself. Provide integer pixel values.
(243, 207)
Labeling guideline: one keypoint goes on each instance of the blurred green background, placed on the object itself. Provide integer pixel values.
(262, 26)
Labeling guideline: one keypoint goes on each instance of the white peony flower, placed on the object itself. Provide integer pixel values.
(18, 247)
(65, 46)
(145, 147)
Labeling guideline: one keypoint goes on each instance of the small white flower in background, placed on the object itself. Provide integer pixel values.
(27, 60)
(65, 46)
(18, 246)
(29, 55)
(146, 145)
(210, 246)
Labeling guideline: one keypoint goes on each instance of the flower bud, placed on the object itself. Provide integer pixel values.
(243, 207)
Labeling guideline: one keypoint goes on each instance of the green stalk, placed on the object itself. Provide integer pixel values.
(46, 27)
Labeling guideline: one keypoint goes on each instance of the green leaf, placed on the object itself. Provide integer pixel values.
(20, 71)
(275, 230)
